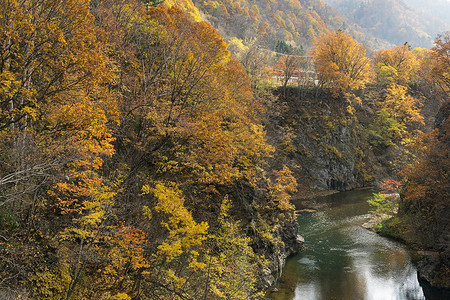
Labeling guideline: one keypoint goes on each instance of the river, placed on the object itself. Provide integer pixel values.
(342, 260)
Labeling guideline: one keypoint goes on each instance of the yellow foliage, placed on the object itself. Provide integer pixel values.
(121, 296)
(232, 271)
(211, 120)
(48, 286)
(9, 85)
(333, 150)
(187, 6)
(184, 232)
(340, 61)
(284, 185)
(401, 106)
(53, 93)
(395, 65)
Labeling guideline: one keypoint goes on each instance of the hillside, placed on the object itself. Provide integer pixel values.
(376, 24)
(416, 22)
(438, 8)
(133, 161)
(296, 22)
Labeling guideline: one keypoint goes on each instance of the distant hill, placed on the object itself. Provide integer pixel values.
(437, 8)
(374, 23)
(296, 22)
(414, 21)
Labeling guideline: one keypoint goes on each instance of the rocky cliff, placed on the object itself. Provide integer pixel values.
(435, 266)
(274, 233)
(320, 140)
(423, 218)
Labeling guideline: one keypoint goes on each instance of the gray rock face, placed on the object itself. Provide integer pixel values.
(323, 141)
(285, 238)
(276, 253)
(277, 260)
(331, 159)
(434, 269)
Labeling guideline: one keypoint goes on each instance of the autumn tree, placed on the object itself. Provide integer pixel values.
(440, 64)
(340, 62)
(190, 128)
(109, 199)
(395, 65)
(233, 271)
(398, 116)
(54, 99)
(289, 67)
(254, 60)
(55, 108)
(401, 106)
(425, 203)
(188, 104)
(427, 182)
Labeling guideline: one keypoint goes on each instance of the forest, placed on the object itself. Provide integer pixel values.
(145, 154)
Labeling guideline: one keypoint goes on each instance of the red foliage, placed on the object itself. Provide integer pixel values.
(390, 186)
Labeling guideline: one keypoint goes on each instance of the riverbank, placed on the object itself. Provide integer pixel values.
(432, 265)
(341, 260)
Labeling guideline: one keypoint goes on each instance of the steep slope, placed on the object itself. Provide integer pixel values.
(139, 170)
(296, 22)
(320, 142)
(394, 20)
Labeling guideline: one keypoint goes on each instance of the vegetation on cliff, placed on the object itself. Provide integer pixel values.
(423, 210)
(134, 157)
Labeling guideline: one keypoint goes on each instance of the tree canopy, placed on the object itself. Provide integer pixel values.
(340, 61)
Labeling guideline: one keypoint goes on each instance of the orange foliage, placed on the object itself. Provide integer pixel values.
(340, 61)
(427, 180)
(401, 61)
(284, 185)
(440, 70)
(203, 103)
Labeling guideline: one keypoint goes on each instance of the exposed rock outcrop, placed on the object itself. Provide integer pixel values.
(321, 141)
(277, 259)
(274, 233)
(434, 269)
(331, 158)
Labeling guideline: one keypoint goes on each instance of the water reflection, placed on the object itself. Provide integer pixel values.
(345, 261)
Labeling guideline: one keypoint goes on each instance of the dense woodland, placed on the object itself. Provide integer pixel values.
(141, 159)
(264, 23)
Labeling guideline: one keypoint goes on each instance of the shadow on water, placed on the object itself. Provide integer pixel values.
(344, 261)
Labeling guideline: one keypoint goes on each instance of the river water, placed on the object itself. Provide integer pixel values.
(342, 260)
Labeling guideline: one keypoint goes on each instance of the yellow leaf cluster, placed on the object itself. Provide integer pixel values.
(285, 184)
(184, 232)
